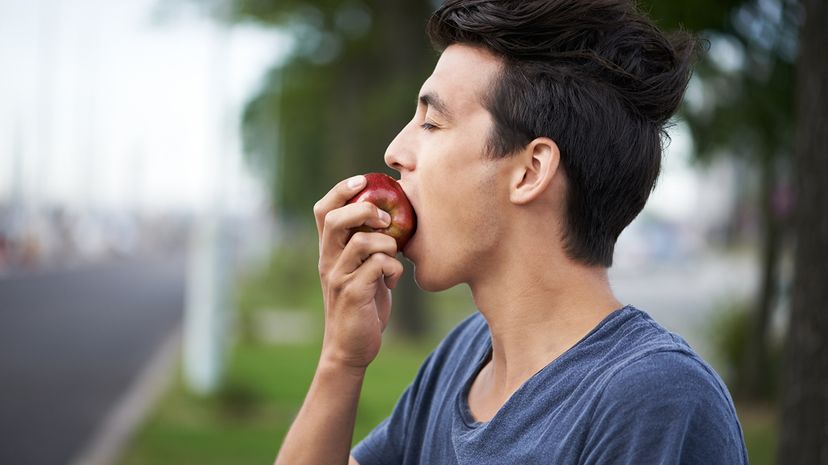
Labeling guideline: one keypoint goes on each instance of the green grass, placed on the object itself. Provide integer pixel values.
(759, 427)
(244, 423)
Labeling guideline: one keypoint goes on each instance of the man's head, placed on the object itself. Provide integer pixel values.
(541, 124)
(595, 76)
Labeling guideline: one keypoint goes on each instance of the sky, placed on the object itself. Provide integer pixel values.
(103, 105)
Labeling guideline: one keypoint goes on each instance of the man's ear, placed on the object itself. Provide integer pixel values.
(534, 170)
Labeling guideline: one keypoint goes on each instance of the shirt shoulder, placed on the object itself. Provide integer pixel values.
(645, 355)
(670, 373)
(656, 360)
(671, 404)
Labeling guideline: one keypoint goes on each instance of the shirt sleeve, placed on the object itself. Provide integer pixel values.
(666, 408)
(385, 444)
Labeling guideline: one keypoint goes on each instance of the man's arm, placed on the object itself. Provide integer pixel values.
(357, 273)
(324, 427)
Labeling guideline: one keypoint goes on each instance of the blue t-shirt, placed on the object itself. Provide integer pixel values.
(630, 392)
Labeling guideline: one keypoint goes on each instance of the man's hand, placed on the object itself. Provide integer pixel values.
(357, 272)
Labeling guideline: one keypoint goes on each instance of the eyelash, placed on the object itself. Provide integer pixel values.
(428, 126)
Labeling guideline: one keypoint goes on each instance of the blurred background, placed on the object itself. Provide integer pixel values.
(159, 301)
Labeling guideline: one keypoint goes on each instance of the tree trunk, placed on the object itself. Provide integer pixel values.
(756, 377)
(804, 427)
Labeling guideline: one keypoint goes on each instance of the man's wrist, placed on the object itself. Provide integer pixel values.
(338, 368)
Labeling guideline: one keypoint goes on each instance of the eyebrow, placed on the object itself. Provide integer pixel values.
(432, 100)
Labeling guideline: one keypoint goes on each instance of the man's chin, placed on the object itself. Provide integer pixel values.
(430, 283)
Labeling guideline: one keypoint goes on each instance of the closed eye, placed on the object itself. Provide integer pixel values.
(428, 126)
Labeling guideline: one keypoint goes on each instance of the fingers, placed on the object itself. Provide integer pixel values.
(361, 247)
(380, 266)
(339, 224)
(336, 198)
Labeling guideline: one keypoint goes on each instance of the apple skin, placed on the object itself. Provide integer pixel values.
(384, 192)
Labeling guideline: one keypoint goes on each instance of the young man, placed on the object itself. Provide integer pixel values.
(536, 141)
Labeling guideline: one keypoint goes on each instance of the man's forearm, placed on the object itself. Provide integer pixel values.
(322, 432)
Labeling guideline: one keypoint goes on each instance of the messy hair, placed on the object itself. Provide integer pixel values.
(598, 78)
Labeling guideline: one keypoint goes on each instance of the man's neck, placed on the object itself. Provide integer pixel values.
(537, 307)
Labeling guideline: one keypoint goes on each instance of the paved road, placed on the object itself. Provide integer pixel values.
(71, 343)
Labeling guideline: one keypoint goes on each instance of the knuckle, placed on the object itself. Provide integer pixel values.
(330, 219)
(338, 285)
(390, 242)
(377, 259)
(369, 209)
(318, 209)
(361, 240)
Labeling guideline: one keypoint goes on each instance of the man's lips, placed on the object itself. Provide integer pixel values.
(413, 200)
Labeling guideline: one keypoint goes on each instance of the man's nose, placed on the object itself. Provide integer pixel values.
(399, 154)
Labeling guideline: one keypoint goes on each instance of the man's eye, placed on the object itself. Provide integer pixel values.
(428, 126)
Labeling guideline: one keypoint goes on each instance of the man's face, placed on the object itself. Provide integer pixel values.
(456, 190)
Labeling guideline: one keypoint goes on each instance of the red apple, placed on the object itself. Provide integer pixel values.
(384, 192)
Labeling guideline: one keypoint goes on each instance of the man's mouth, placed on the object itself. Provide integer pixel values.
(416, 216)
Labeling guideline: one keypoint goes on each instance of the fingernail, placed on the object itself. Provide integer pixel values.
(356, 181)
(384, 216)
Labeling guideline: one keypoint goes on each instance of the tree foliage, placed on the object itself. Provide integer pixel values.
(347, 88)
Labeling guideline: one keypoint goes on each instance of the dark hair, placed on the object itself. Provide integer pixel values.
(598, 78)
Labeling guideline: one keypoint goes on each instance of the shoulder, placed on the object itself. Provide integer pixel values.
(675, 394)
(648, 360)
(654, 381)
(670, 403)
(632, 331)
(673, 371)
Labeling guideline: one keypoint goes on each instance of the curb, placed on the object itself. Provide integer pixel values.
(120, 423)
